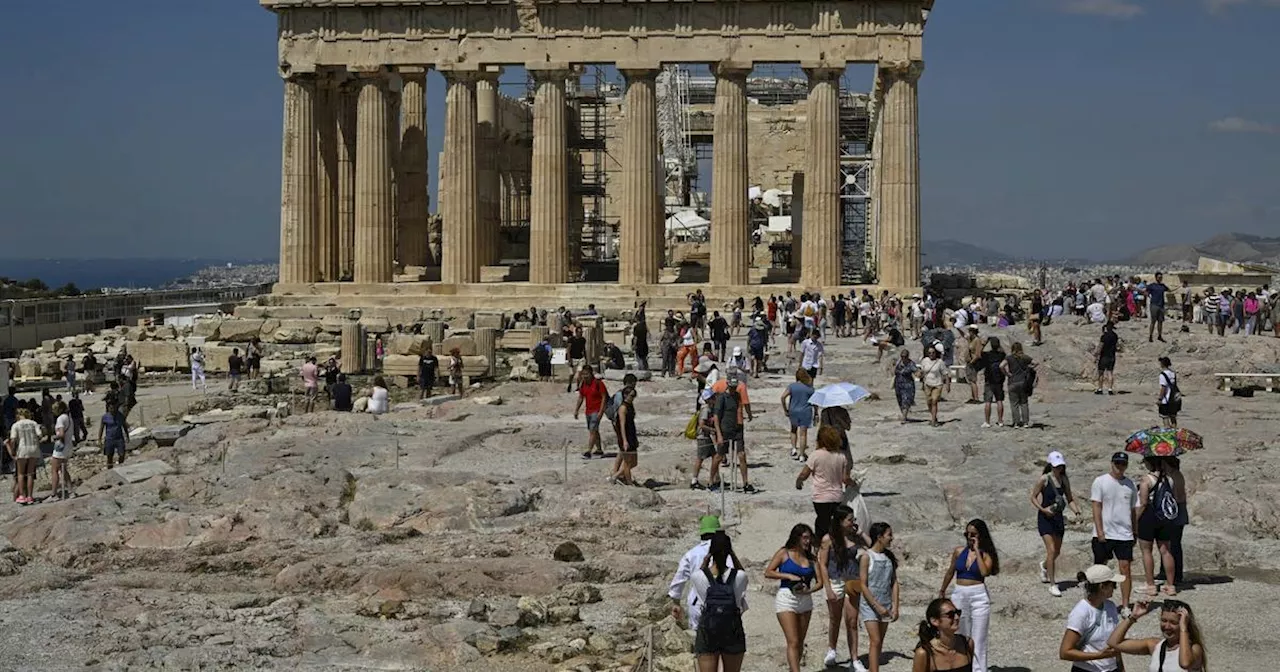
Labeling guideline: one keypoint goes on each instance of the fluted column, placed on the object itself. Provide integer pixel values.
(487, 166)
(899, 177)
(298, 207)
(375, 224)
(640, 250)
(730, 242)
(459, 204)
(412, 193)
(821, 238)
(327, 178)
(344, 100)
(549, 224)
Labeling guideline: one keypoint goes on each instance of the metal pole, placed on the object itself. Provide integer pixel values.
(566, 462)
(397, 454)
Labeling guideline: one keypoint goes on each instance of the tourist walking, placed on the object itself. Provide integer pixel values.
(64, 446)
(934, 374)
(731, 408)
(829, 469)
(812, 353)
(90, 367)
(1108, 347)
(69, 372)
(113, 434)
(691, 564)
(235, 367)
(721, 588)
(455, 372)
(970, 565)
(1169, 401)
(1173, 469)
(973, 362)
(941, 648)
(795, 567)
(795, 404)
(838, 564)
(1159, 515)
(197, 370)
(640, 342)
(991, 363)
(428, 367)
(629, 447)
(904, 382)
(704, 438)
(23, 446)
(310, 374)
(1115, 516)
(1156, 303)
(1091, 622)
(592, 393)
(541, 358)
(1051, 495)
(1180, 646)
(878, 571)
(75, 408)
(1020, 373)
(719, 328)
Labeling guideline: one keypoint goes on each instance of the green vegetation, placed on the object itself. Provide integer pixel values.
(34, 288)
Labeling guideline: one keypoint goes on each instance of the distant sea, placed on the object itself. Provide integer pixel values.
(96, 273)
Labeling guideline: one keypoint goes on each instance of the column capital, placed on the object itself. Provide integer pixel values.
(732, 69)
(822, 72)
(546, 71)
(639, 73)
(413, 71)
(906, 70)
(299, 77)
(460, 76)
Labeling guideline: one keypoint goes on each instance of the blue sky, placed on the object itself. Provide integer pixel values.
(1085, 128)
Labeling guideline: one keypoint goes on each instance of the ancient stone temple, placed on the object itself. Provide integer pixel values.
(354, 206)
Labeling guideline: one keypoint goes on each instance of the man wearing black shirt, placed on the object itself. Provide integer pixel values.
(340, 393)
(719, 333)
(75, 408)
(428, 363)
(577, 351)
(235, 365)
(1108, 345)
(640, 343)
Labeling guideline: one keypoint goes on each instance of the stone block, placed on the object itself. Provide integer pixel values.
(375, 325)
(295, 332)
(160, 355)
(51, 345)
(408, 344)
(488, 320)
(167, 435)
(242, 331)
(333, 324)
(207, 328)
(136, 472)
(465, 345)
(400, 365)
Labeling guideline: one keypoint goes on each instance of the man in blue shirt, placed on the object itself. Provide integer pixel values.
(1155, 302)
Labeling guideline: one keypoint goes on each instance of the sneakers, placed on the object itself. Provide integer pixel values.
(1044, 573)
(858, 666)
(795, 454)
(1111, 391)
(1053, 590)
(1098, 391)
(830, 659)
(748, 488)
(985, 425)
(695, 485)
(714, 487)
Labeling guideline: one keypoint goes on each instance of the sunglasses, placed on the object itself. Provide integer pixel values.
(954, 613)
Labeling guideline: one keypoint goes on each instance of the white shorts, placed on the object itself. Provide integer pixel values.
(786, 600)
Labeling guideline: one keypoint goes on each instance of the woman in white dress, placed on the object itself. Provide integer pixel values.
(378, 399)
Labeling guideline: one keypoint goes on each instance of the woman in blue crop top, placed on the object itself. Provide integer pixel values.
(795, 566)
(970, 566)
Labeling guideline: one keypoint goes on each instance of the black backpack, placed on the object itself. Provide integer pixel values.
(721, 619)
(1165, 503)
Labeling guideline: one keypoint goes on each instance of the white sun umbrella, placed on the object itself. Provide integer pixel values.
(838, 394)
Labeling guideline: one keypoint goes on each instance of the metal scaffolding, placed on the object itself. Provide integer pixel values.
(680, 165)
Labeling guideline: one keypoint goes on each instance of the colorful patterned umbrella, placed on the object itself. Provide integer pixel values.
(1163, 442)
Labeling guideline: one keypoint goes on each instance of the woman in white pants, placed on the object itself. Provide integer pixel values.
(970, 566)
(197, 370)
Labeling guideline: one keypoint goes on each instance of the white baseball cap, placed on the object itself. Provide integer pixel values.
(1056, 459)
(1102, 574)
(737, 351)
(939, 347)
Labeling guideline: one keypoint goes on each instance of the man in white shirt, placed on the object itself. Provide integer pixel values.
(691, 564)
(1115, 516)
(811, 353)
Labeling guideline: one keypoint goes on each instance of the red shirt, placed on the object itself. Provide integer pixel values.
(772, 310)
(595, 393)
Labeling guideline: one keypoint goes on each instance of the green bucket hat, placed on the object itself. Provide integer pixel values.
(708, 525)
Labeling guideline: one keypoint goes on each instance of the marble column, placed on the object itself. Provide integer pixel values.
(822, 235)
(459, 203)
(298, 207)
(730, 240)
(375, 223)
(899, 177)
(488, 117)
(549, 222)
(327, 178)
(640, 249)
(412, 193)
(345, 119)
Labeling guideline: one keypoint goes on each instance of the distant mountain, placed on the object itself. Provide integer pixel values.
(954, 252)
(1238, 247)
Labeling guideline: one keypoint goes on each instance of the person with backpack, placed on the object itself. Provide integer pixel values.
(720, 587)
(1160, 517)
(593, 394)
(1051, 495)
(1020, 374)
(729, 410)
(1169, 402)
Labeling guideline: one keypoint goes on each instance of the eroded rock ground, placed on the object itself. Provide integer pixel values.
(426, 539)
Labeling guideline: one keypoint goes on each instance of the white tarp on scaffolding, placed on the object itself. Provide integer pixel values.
(687, 224)
(779, 223)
